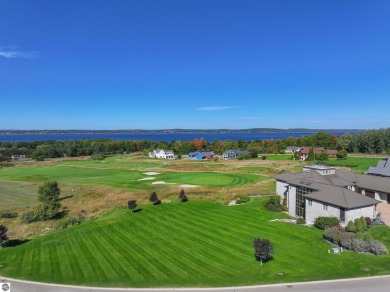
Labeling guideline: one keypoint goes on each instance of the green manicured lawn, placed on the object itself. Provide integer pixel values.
(193, 244)
(121, 178)
(275, 156)
(17, 195)
(357, 164)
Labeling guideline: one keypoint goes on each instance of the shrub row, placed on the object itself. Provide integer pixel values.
(359, 225)
(273, 204)
(326, 222)
(349, 242)
(243, 199)
(8, 214)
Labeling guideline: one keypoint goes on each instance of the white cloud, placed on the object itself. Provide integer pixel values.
(215, 108)
(11, 53)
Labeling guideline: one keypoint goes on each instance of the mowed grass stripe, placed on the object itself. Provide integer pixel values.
(68, 267)
(95, 257)
(86, 262)
(216, 254)
(144, 265)
(112, 270)
(138, 272)
(160, 254)
(189, 260)
(199, 257)
(205, 235)
(110, 246)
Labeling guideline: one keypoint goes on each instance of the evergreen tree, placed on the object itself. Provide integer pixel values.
(310, 157)
(363, 223)
(351, 227)
(358, 224)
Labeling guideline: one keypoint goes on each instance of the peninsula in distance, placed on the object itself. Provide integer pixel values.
(179, 131)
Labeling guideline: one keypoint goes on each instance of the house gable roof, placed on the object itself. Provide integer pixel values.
(382, 168)
(332, 189)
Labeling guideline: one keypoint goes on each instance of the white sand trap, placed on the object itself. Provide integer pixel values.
(158, 182)
(188, 186)
(161, 183)
(147, 178)
(151, 173)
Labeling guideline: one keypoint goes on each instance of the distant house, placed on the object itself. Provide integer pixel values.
(292, 149)
(381, 169)
(322, 191)
(18, 157)
(233, 154)
(160, 153)
(201, 154)
(304, 152)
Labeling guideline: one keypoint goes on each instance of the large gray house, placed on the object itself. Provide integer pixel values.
(233, 154)
(381, 169)
(323, 191)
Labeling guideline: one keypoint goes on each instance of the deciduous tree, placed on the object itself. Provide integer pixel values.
(132, 204)
(48, 195)
(3, 235)
(182, 196)
(263, 249)
(154, 199)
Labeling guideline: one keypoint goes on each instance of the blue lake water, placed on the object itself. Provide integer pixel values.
(167, 137)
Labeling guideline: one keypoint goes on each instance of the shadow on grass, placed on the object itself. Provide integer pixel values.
(60, 214)
(64, 198)
(137, 210)
(15, 242)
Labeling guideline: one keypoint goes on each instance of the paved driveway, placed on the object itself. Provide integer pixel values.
(384, 209)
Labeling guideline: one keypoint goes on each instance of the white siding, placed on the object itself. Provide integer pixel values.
(352, 214)
(291, 200)
(317, 210)
(381, 197)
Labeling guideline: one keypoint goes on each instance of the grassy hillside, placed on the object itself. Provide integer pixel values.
(197, 243)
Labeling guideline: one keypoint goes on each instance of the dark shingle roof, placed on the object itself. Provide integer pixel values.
(382, 168)
(332, 188)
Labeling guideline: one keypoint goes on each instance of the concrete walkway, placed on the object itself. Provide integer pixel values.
(384, 209)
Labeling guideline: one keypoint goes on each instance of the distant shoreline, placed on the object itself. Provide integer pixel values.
(177, 131)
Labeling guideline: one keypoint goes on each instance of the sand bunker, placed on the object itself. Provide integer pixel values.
(158, 182)
(147, 178)
(161, 183)
(151, 173)
(188, 186)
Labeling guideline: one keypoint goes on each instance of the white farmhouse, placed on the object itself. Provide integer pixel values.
(160, 153)
(323, 191)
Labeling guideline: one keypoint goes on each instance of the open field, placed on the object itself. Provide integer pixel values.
(197, 243)
(356, 164)
(17, 195)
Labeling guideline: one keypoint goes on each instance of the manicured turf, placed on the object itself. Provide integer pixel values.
(357, 164)
(120, 178)
(197, 243)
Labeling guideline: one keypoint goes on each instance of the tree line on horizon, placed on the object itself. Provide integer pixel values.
(370, 142)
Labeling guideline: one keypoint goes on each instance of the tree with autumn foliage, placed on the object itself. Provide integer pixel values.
(199, 143)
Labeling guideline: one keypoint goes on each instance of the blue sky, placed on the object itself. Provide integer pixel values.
(194, 64)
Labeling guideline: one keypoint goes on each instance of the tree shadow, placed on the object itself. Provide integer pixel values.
(15, 242)
(64, 198)
(137, 210)
(60, 214)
